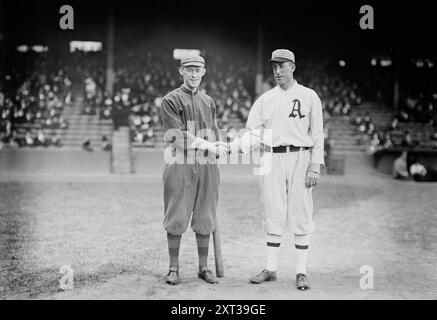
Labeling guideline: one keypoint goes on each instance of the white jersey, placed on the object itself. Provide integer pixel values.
(292, 117)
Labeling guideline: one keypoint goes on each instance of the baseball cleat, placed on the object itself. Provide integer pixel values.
(172, 277)
(302, 281)
(265, 275)
(207, 275)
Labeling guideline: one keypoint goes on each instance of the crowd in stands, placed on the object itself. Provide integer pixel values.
(105, 144)
(339, 94)
(36, 88)
(33, 94)
(421, 108)
(413, 123)
(230, 82)
(141, 80)
(413, 126)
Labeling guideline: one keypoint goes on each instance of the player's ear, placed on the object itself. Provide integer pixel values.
(181, 69)
(293, 66)
(203, 71)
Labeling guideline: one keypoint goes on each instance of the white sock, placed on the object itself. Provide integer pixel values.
(273, 243)
(302, 244)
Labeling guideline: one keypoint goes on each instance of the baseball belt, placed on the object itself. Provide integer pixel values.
(284, 149)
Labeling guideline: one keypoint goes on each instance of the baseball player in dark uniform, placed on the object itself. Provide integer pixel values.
(191, 174)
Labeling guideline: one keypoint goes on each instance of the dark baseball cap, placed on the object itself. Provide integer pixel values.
(193, 60)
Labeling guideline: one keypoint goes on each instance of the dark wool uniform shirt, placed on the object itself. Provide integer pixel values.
(186, 115)
(190, 189)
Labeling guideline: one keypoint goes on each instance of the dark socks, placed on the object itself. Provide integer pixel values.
(202, 249)
(174, 243)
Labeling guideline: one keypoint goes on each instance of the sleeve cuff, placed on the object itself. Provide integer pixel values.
(319, 159)
(233, 146)
(315, 167)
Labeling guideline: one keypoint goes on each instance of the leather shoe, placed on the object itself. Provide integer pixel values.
(302, 281)
(172, 277)
(265, 275)
(207, 275)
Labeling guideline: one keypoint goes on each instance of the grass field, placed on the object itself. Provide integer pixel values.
(109, 230)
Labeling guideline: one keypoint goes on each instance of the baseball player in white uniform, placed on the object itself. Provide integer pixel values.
(287, 123)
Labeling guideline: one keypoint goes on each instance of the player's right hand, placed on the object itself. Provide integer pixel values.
(234, 146)
(222, 143)
(221, 148)
(218, 148)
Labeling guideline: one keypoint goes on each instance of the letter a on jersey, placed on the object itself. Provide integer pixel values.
(296, 108)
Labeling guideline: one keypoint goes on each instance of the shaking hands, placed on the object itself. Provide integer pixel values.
(219, 148)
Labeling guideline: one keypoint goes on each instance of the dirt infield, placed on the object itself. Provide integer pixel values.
(109, 230)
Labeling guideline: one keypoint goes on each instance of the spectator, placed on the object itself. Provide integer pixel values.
(400, 170)
(394, 124)
(403, 116)
(407, 141)
(434, 138)
(30, 141)
(362, 128)
(388, 143)
(418, 171)
(41, 139)
(371, 128)
(86, 145)
(2, 98)
(56, 141)
(367, 119)
(106, 145)
(90, 88)
(16, 141)
(374, 143)
(358, 119)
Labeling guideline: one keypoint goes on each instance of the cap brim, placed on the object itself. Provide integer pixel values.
(281, 60)
(193, 64)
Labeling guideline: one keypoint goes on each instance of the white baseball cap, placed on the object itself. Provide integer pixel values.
(282, 55)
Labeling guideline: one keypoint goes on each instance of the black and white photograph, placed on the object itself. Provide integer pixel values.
(225, 152)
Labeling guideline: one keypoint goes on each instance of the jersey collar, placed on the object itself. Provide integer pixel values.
(188, 91)
(292, 86)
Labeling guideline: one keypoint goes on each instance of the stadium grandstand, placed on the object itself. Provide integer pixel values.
(76, 94)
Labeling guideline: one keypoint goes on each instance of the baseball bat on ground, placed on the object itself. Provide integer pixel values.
(219, 270)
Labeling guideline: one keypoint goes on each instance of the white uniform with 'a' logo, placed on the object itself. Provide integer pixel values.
(286, 117)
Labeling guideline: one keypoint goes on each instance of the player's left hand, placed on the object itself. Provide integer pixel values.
(311, 179)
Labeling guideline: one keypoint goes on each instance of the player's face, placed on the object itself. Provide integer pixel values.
(283, 73)
(192, 76)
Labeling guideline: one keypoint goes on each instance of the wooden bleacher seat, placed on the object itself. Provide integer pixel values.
(27, 126)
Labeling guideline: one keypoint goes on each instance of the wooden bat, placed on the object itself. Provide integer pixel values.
(219, 270)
